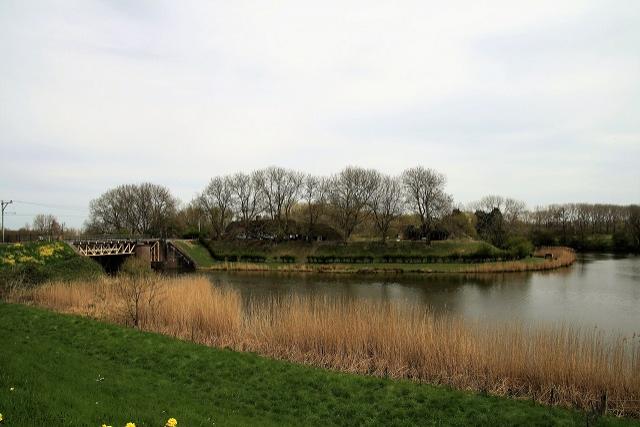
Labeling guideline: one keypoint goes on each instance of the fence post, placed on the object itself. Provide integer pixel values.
(604, 403)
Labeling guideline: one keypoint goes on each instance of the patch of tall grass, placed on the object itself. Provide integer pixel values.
(561, 365)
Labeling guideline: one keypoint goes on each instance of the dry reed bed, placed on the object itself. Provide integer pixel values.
(556, 365)
(562, 257)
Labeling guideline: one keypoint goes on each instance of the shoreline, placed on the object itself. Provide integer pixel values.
(561, 257)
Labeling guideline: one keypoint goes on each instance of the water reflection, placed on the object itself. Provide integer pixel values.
(599, 291)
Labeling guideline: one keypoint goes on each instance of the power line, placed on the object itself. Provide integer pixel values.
(36, 214)
(45, 205)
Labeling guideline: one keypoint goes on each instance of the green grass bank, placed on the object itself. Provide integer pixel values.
(66, 370)
(302, 250)
(449, 256)
(196, 251)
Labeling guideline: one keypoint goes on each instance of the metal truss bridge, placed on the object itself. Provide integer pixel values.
(157, 251)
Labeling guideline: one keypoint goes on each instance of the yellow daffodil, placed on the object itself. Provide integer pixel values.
(46, 251)
(171, 422)
(1, 418)
(130, 425)
(104, 425)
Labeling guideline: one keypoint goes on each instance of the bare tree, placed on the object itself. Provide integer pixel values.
(190, 217)
(135, 209)
(350, 192)
(489, 203)
(634, 224)
(513, 210)
(425, 194)
(138, 287)
(386, 203)
(161, 209)
(217, 201)
(46, 225)
(314, 194)
(105, 213)
(248, 197)
(281, 191)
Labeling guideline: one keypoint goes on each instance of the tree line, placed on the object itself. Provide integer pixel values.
(287, 201)
(344, 201)
(280, 204)
(586, 226)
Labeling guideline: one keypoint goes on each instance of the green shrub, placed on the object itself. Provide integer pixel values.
(252, 258)
(622, 241)
(288, 259)
(519, 247)
(484, 253)
(136, 267)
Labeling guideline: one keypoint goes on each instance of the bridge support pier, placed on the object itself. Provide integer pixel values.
(143, 252)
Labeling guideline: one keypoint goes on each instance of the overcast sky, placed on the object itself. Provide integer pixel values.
(536, 100)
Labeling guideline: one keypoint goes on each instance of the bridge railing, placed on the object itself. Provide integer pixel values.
(111, 237)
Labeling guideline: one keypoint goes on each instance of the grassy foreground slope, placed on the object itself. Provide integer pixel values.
(66, 370)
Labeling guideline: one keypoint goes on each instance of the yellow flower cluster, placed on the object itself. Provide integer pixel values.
(9, 260)
(1, 418)
(34, 254)
(46, 250)
(171, 422)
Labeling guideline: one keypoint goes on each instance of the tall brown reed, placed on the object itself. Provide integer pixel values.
(551, 364)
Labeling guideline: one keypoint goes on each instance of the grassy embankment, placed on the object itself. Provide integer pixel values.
(556, 365)
(65, 370)
(197, 252)
(39, 262)
(445, 257)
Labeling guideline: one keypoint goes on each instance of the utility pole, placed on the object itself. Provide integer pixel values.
(4, 206)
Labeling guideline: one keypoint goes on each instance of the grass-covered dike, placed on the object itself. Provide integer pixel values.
(360, 252)
(450, 256)
(66, 370)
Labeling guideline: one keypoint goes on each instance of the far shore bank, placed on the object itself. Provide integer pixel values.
(559, 257)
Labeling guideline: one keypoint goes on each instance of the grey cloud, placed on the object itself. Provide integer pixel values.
(538, 100)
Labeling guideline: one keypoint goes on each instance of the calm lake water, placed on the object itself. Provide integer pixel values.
(600, 291)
